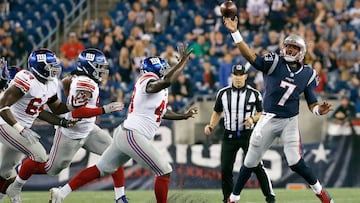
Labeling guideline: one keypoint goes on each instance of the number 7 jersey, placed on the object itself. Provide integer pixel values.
(146, 109)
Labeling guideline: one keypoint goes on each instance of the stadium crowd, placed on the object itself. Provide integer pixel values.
(135, 30)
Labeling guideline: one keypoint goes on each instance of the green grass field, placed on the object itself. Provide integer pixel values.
(343, 195)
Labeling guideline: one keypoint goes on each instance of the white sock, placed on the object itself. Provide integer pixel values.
(20, 182)
(234, 198)
(119, 191)
(316, 187)
(65, 191)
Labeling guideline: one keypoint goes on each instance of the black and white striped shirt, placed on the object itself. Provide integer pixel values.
(238, 104)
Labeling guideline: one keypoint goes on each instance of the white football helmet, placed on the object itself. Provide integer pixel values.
(297, 41)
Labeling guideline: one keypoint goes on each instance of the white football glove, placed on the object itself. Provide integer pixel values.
(31, 136)
(113, 106)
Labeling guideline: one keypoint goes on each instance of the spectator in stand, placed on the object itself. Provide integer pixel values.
(183, 87)
(354, 15)
(273, 41)
(208, 77)
(111, 53)
(218, 44)
(20, 41)
(139, 12)
(150, 48)
(347, 58)
(124, 66)
(349, 34)
(94, 41)
(332, 32)
(129, 23)
(170, 55)
(304, 11)
(293, 24)
(345, 112)
(277, 14)
(137, 54)
(87, 29)
(69, 51)
(106, 26)
(175, 102)
(151, 26)
(257, 44)
(8, 50)
(201, 47)
(321, 88)
(162, 14)
(197, 29)
(257, 11)
(310, 55)
(225, 70)
(118, 35)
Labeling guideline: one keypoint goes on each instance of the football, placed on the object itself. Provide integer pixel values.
(228, 9)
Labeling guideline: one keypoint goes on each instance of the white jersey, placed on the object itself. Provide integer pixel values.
(146, 110)
(36, 94)
(85, 125)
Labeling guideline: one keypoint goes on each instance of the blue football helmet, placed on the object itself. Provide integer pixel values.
(44, 64)
(155, 65)
(93, 62)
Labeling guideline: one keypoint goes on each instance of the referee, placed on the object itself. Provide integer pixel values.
(242, 106)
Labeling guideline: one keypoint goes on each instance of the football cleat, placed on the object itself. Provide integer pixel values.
(325, 197)
(122, 199)
(229, 201)
(55, 195)
(14, 193)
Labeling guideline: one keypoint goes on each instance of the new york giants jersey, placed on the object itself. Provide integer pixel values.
(36, 94)
(146, 110)
(284, 85)
(85, 125)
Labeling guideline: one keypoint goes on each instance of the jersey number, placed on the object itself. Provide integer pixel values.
(159, 110)
(31, 108)
(289, 90)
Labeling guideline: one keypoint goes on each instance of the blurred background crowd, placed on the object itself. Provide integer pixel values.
(134, 30)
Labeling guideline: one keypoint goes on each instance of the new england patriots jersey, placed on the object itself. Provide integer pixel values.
(36, 94)
(285, 84)
(85, 125)
(146, 110)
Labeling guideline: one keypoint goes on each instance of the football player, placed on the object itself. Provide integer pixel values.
(285, 78)
(21, 103)
(133, 138)
(92, 64)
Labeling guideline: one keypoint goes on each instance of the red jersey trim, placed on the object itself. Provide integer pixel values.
(22, 84)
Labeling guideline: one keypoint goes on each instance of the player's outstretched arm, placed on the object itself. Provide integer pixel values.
(170, 115)
(231, 25)
(11, 95)
(157, 85)
(56, 120)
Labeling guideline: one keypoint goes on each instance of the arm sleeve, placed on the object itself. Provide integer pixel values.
(259, 107)
(85, 112)
(266, 63)
(309, 96)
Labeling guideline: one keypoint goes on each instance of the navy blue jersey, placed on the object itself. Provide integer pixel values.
(284, 85)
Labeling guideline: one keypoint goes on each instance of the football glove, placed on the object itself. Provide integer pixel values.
(113, 106)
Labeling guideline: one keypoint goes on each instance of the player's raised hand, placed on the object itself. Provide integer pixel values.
(191, 112)
(231, 24)
(113, 107)
(324, 108)
(183, 51)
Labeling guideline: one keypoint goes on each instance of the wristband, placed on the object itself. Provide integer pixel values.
(237, 37)
(18, 127)
(63, 122)
(315, 110)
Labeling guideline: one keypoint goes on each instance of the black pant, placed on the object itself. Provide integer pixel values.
(229, 148)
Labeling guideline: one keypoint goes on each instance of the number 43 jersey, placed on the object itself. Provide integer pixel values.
(146, 109)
